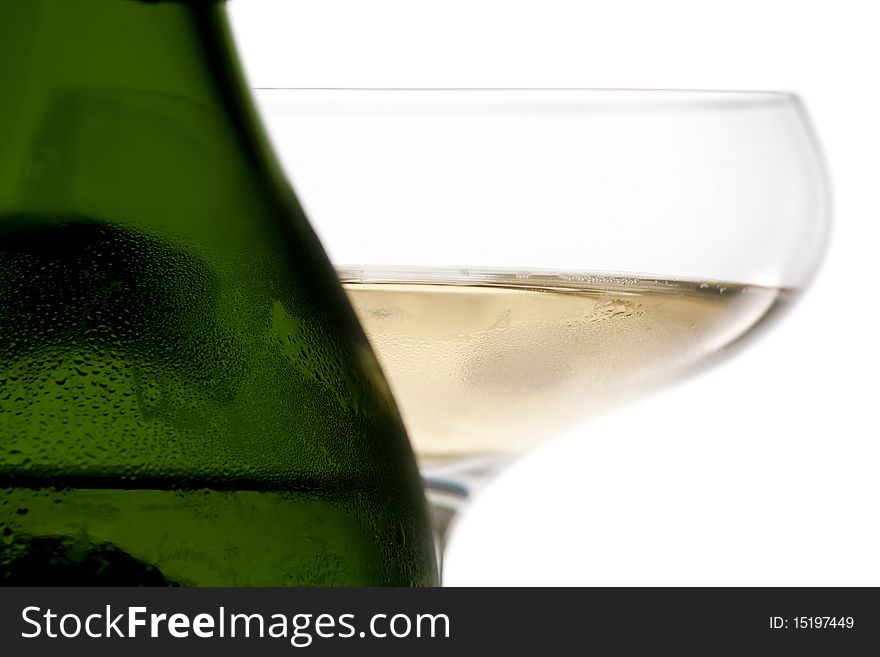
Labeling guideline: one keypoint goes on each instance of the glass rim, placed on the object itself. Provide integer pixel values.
(740, 97)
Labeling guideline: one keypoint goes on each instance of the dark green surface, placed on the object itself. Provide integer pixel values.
(185, 395)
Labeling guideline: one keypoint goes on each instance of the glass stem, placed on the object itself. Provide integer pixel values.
(449, 486)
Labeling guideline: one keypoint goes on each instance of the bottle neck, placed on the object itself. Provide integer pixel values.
(117, 108)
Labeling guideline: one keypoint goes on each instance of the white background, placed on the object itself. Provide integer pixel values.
(763, 471)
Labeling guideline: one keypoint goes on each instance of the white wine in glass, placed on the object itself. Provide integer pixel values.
(521, 356)
(522, 260)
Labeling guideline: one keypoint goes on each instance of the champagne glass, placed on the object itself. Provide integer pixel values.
(522, 260)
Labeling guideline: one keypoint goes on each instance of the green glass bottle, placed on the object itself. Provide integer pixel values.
(186, 397)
